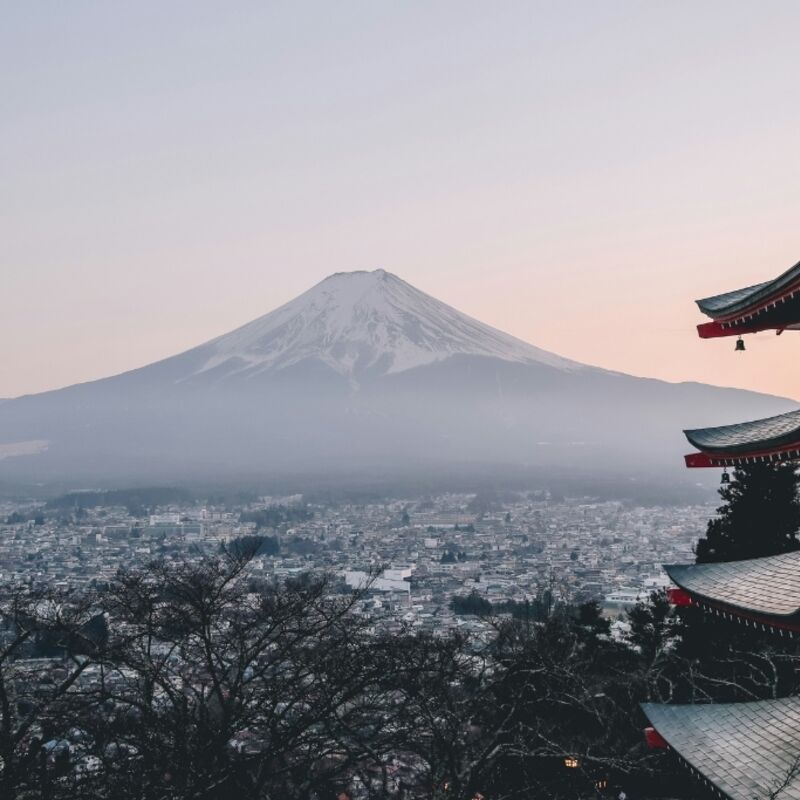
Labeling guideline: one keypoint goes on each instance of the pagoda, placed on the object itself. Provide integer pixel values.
(774, 305)
(742, 751)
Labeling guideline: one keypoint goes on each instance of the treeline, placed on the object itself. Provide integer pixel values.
(273, 516)
(261, 545)
(536, 610)
(147, 497)
(19, 517)
(250, 546)
(206, 681)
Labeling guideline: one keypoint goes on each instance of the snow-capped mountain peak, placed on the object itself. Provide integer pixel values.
(359, 377)
(366, 321)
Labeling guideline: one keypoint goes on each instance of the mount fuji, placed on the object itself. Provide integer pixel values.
(361, 373)
(360, 323)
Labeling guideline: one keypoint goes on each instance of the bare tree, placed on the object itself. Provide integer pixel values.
(48, 644)
(214, 690)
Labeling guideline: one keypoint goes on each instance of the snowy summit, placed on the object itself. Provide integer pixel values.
(357, 322)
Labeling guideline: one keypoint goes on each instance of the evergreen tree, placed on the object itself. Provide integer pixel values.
(589, 616)
(760, 517)
(652, 630)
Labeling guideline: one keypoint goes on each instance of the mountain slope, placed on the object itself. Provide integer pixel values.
(364, 323)
(362, 372)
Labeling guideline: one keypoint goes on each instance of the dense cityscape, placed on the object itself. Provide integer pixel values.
(426, 551)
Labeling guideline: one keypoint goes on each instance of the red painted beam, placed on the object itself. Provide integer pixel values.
(789, 452)
(694, 460)
(712, 330)
(715, 330)
(654, 740)
(679, 597)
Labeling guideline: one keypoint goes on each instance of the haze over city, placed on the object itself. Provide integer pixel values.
(572, 174)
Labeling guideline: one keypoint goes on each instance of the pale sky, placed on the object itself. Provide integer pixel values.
(574, 173)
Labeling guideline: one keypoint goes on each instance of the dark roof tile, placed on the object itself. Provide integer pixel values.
(738, 747)
(740, 300)
(756, 435)
(768, 586)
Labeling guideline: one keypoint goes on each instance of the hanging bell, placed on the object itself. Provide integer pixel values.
(740, 345)
(725, 477)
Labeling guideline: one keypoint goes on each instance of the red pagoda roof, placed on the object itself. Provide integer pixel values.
(761, 592)
(772, 305)
(771, 439)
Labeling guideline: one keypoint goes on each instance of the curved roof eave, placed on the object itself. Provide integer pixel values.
(767, 586)
(740, 300)
(753, 436)
(743, 749)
